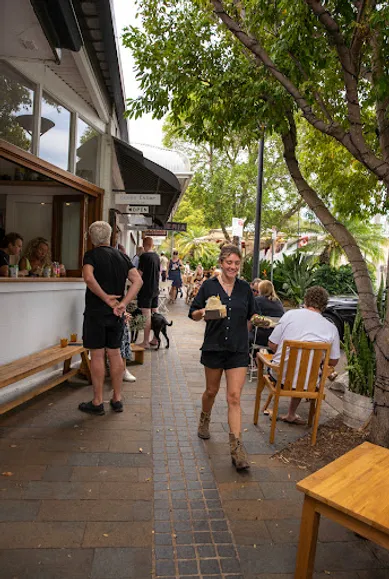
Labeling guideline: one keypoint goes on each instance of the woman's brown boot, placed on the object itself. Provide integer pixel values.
(238, 453)
(203, 430)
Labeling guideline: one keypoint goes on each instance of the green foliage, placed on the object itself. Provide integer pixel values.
(15, 99)
(247, 269)
(369, 236)
(190, 246)
(336, 280)
(293, 276)
(361, 359)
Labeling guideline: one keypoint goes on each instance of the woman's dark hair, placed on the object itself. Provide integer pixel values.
(227, 250)
(10, 238)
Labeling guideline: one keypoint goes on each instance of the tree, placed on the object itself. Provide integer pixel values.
(369, 236)
(283, 62)
(14, 97)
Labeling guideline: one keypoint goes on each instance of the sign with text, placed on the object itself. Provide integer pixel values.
(237, 227)
(138, 209)
(154, 233)
(172, 226)
(138, 199)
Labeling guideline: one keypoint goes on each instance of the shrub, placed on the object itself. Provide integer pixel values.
(336, 280)
(293, 276)
(360, 356)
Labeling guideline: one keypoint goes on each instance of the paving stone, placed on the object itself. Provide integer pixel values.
(163, 539)
(22, 510)
(206, 551)
(269, 558)
(108, 510)
(121, 563)
(30, 535)
(117, 534)
(187, 567)
(58, 473)
(163, 568)
(105, 474)
(52, 563)
(209, 566)
(345, 556)
(163, 552)
(61, 490)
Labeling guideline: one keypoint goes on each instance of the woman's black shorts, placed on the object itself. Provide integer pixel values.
(224, 360)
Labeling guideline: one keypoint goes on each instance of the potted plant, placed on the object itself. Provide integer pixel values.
(358, 396)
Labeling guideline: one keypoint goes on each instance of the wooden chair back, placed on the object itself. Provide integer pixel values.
(305, 363)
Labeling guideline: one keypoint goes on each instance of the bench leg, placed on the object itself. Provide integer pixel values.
(66, 366)
(86, 366)
(309, 529)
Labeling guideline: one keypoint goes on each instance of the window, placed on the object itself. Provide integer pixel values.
(87, 148)
(16, 107)
(55, 133)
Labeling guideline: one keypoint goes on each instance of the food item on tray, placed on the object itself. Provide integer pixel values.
(261, 321)
(214, 309)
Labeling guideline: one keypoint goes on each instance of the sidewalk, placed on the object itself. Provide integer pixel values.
(138, 495)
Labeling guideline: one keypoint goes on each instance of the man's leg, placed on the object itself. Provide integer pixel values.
(97, 367)
(292, 416)
(146, 312)
(116, 366)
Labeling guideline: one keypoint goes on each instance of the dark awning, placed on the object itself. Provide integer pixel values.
(140, 175)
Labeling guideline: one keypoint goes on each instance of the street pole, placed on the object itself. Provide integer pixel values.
(258, 211)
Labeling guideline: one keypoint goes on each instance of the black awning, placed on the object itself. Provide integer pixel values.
(140, 175)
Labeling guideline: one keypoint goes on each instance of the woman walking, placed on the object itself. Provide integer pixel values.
(175, 265)
(225, 347)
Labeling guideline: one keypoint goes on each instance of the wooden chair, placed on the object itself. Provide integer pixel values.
(309, 362)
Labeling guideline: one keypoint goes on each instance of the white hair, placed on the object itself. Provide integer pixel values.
(100, 232)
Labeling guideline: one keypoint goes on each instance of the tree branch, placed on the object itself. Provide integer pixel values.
(296, 207)
(356, 146)
(367, 298)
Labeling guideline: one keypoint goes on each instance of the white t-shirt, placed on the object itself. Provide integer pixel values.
(164, 262)
(306, 326)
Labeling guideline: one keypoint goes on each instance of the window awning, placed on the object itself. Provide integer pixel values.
(140, 175)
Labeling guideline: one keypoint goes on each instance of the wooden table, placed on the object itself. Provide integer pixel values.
(352, 491)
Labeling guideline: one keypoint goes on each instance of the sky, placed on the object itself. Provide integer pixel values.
(144, 130)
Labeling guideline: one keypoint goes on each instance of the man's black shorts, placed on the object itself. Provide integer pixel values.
(224, 360)
(102, 331)
(147, 303)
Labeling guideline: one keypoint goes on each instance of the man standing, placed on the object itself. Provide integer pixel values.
(139, 251)
(149, 267)
(306, 325)
(164, 266)
(105, 272)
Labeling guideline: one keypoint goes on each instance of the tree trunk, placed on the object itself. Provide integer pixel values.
(379, 433)
(225, 232)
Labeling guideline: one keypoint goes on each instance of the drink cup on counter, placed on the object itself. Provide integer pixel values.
(64, 342)
(73, 337)
(13, 271)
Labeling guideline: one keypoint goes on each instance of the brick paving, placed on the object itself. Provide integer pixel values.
(138, 495)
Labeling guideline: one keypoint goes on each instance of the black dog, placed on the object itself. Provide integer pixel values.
(158, 325)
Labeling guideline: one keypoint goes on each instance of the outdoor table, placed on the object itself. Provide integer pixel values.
(352, 491)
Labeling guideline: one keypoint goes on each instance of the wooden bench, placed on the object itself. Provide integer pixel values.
(352, 491)
(139, 353)
(29, 365)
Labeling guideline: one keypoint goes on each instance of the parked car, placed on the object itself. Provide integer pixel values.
(341, 310)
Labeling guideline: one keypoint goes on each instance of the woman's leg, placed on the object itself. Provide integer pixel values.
(236, 378)
(212, 385)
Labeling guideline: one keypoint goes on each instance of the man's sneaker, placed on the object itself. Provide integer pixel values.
(91, 408)
(203, 429)
(238, 453)
(116, 406)
(128, 377)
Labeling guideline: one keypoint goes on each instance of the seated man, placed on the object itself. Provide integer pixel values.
(305, 325)
(11, 244)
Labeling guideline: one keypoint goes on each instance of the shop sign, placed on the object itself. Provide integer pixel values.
(138, 199)
(154, 233)
(237, 227)
(136, 209)
(172, 226)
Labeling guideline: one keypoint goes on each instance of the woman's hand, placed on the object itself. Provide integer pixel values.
(198, 315)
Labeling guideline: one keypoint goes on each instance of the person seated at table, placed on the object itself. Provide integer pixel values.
(11, 244)
(36, 256)
(305, 325)
(267, 303)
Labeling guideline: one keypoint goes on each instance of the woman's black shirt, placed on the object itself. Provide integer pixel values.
(227, 334)
(266, 307)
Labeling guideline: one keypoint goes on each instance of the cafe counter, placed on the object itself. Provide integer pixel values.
(37, 312)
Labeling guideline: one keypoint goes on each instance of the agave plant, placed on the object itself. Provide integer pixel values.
(294, 275)
(360, 356)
